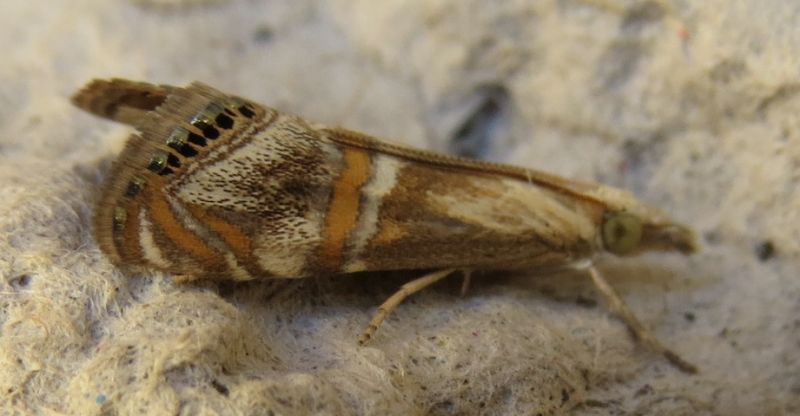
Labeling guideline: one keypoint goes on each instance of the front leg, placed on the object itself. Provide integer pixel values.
(619, 306)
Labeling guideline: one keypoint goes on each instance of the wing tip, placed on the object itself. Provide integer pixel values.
(120, 99)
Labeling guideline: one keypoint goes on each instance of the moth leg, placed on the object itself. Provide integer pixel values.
(465, 283)
(639, 331)
(405, 291)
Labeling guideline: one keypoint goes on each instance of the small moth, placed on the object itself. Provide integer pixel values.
(214, 186)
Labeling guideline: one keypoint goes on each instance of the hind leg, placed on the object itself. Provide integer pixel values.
(405, 291)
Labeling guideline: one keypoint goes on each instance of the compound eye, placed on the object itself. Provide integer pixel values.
(622, 233)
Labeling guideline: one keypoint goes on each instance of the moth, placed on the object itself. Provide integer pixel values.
(214, 186)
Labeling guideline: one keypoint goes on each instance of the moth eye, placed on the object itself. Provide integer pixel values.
(622, 233)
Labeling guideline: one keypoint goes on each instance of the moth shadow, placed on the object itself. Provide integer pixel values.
(356, 295)
(359, 290)
(369, 289)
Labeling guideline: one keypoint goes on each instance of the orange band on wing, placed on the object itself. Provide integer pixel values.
(233, 237)
(239, 243)
(180, 236)
(343, 208)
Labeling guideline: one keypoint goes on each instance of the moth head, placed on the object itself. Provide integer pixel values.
(629, 226)
(625, 233)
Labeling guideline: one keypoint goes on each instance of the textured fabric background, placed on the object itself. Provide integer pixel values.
(691, 105)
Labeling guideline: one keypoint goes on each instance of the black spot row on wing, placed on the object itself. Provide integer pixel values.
(209, 121)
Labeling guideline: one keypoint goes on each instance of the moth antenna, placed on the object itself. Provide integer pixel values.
(120, 100)
(638, 329)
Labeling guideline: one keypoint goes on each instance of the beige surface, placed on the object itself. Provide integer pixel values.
(692, 105)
